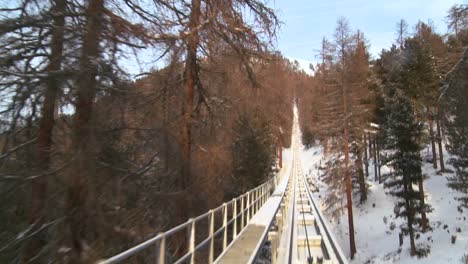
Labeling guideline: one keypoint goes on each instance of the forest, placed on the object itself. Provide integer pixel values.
(95, 159)
(371, 114)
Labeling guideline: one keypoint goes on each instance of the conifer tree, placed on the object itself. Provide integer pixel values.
(404, 134)
(252, 150)
(454, 100)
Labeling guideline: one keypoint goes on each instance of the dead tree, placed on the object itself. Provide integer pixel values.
(46, 125)
(77, 176)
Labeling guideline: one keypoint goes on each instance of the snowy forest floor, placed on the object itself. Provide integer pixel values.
(377, 229)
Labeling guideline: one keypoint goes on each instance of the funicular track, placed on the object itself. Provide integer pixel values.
(280, 217)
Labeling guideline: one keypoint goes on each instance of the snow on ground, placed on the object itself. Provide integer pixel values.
(376, 242)
(287, 156)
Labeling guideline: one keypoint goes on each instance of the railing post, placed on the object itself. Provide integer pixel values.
(260, 202)
(257, 200)
(257, 203)
(260, 196)
(225, 213)
(162, 251)
(211, 233)
(242, 211)
(264, 194)
(248, 207)
(254, 192)
(234, 216)
(192, 241)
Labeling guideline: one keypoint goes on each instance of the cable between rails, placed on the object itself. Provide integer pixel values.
(309, 259)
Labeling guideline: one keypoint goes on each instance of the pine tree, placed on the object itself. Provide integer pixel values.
(454, 100)
(343, 42)
(252, 150)
(404, 134)
(458, 18)
(419, 82)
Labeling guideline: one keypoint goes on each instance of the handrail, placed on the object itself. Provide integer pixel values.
(279, 209)
(250, 202)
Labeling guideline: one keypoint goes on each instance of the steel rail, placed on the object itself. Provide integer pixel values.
(293, 215)
(331, 239)
(309, 259)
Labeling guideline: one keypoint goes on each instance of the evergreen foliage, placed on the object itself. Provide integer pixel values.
(457, 126)
(404, 134)
(253, 153)
(418, 74)
(308, 138)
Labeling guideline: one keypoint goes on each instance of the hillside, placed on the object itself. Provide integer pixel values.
(377, 228)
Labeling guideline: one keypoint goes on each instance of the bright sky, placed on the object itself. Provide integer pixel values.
(307, 21)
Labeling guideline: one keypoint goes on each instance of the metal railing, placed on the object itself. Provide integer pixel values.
(281, 216)
(239, 211)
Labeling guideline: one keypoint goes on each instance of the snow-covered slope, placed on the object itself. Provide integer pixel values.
(377, 228)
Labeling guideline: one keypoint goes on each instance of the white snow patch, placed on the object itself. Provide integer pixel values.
(375, 241)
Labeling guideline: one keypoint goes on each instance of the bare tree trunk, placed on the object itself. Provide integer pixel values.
(190, 80)
(379, 163)
(77, 193)
(165, 127)
(362, 180)
(46, 125)
(191, 76)
(439, 140)
(410, 210)
(411, 231)
(374, 153)
(424, 220)
(352, 243)
(366, 158)
(369, 138)
(431, 135)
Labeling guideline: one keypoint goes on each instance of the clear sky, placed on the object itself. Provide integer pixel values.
(307, 21)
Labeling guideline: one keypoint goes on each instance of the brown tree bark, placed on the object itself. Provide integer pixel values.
(366, 158)
(191, 76)
(352, 243)
(361, 179)
(77, 193)
(379, 165)
(369, 138)
(410, 211)
(411, 232)
(165, 124)
(374, 153)
(439, 140)
(190, 81)
(424, 220)
(431, 135)
(44, 135)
